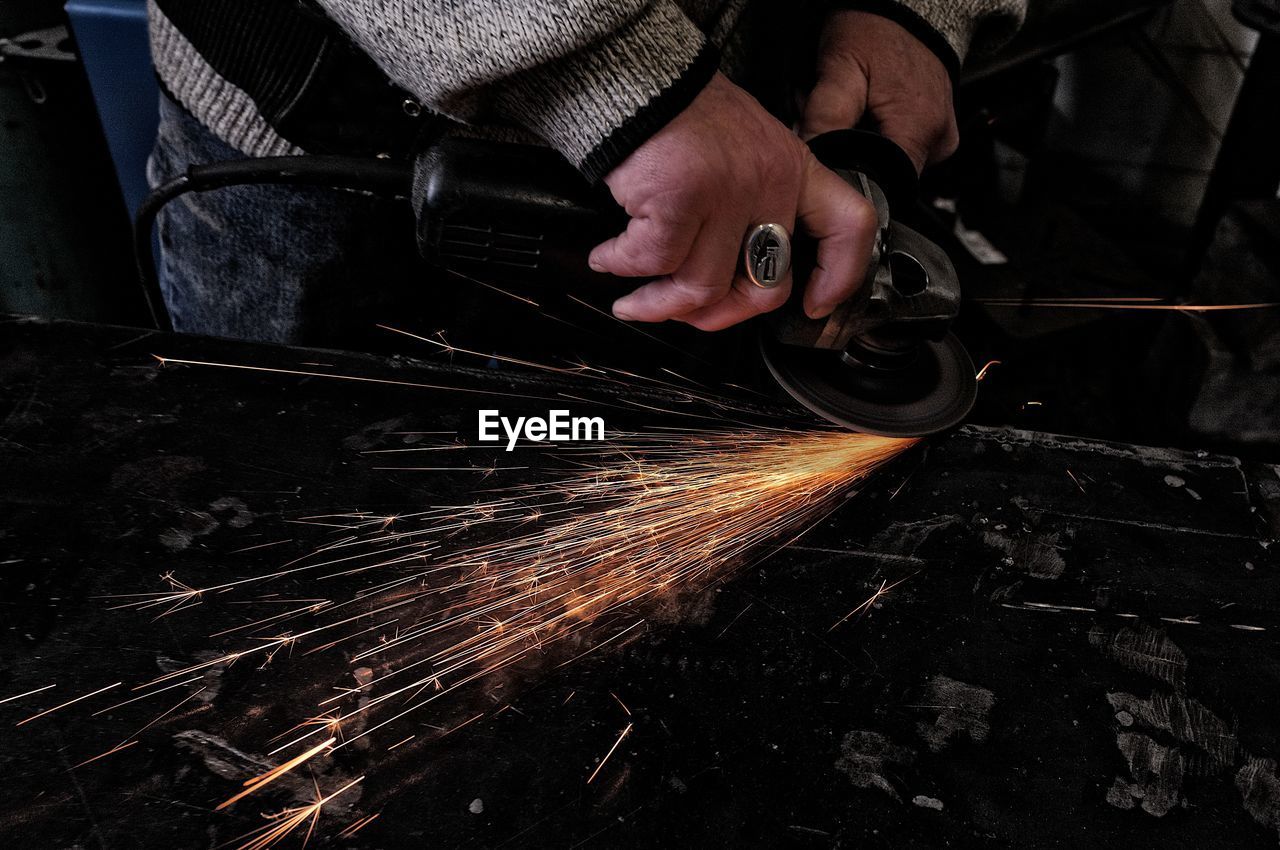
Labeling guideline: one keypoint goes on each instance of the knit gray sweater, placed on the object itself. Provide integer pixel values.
(591, 78)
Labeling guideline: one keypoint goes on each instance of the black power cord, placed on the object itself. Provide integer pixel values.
(374, 176)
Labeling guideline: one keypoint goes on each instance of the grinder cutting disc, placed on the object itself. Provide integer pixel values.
(936, 392)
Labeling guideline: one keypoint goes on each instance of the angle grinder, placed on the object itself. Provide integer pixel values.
(884, 362)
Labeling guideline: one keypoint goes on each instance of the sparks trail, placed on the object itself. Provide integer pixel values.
(1121, 304)
(618, 377)
(685, 389)
(570, 562)
(547, 571)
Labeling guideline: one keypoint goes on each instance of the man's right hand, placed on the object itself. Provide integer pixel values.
(696, 187)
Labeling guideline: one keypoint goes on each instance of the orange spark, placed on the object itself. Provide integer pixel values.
(982, 373)
(111, 751)
(67, 703)
(401, 743)
(359, 825)
(625, 733)
(259, 782)
(27, 693)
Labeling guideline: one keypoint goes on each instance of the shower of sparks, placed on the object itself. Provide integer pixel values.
(982, 373)
(667, 514)
(548, 572)
(552, 570)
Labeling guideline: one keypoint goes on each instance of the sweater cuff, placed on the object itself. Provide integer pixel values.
(597, 105)
(950, 28)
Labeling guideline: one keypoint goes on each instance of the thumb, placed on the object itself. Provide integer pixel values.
(836, 103)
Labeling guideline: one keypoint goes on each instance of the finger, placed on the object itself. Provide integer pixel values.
(649, 247)
(836, 103)
(744, 301)
(844, 223)
(704, 279)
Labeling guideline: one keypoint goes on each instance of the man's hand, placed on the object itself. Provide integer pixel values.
(696, 187)
(867, 63)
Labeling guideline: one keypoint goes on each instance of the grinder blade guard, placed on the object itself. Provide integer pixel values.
(884, 362)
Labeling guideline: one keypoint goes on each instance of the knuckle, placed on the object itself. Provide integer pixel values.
(861, 215)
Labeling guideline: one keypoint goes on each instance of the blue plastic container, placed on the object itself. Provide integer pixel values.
(112, 39)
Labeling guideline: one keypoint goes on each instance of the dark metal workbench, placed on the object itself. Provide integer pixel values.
(1072, 661)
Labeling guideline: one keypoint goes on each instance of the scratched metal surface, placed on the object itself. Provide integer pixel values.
(1083, 651)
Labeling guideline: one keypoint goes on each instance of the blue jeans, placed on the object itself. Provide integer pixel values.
(285, 264)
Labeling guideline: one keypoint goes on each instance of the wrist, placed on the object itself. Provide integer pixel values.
(938, 43)
(951, 29)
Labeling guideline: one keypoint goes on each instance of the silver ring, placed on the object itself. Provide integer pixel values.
(766, 255)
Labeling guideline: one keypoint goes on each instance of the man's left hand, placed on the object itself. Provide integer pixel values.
(868, 64)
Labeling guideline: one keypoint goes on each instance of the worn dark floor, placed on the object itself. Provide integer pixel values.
(1083, 651)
